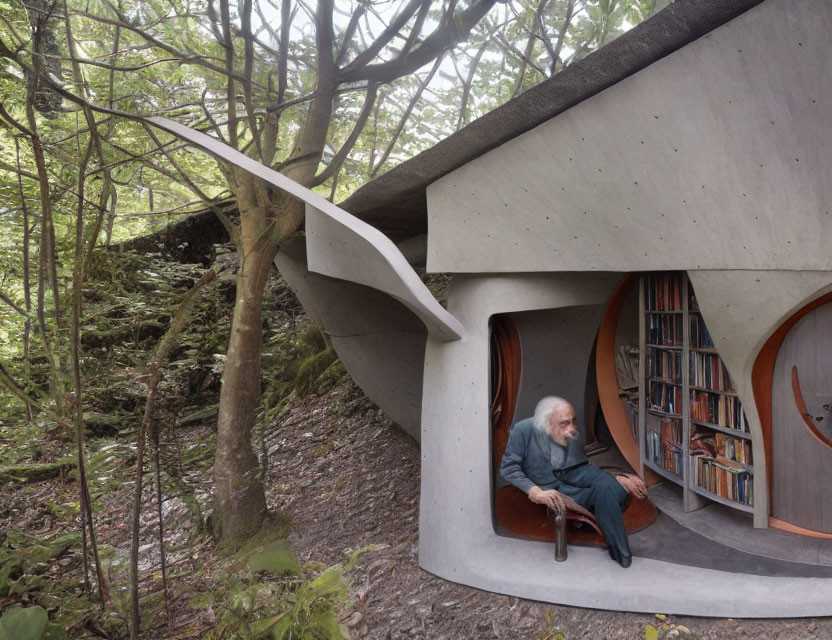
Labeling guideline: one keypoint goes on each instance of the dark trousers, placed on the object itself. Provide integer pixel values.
(600, 492)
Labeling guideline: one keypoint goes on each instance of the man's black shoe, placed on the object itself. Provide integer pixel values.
(625, 561)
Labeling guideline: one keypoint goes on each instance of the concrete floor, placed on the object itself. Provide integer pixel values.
(725, 532)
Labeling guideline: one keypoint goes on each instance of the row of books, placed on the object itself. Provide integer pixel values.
(708, 371)
(664, 330)
(726, 478)
(717, 408)
(719, 444)
(667, 455)
(664, 364)
(666, 397)
(671, 430)
(663, 292)
(699, 336)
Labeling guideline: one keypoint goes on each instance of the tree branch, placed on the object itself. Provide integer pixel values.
(396, 25)
(338, 159)
(445, 36)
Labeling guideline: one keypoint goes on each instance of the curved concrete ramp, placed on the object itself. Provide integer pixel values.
(341, 245)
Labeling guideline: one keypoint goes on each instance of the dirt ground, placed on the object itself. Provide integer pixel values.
(347, 478)
(350, 481)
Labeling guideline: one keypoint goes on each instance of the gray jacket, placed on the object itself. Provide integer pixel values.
(529, 456)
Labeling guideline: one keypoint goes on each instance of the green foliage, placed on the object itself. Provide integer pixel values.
(667, 631)
(278, 557)
(274, 597)
(551, 630)
(22, 561)
(30, 623)
(301, 361)
(23, 624)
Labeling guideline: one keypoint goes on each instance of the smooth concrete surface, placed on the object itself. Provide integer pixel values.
(742, 309)
(556, 345)
(714, 157)
(589, 578)
(733, 528)
(379, 340)
(339, 244)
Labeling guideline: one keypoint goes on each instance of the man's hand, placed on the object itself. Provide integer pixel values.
(634, 485)
(551, 498)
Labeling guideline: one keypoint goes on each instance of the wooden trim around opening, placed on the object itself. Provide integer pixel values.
(776, 523)
(607, 380)
(506, 357)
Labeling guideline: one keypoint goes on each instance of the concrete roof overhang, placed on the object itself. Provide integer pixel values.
(396, 202)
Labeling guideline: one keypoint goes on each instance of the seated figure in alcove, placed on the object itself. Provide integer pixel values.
(545, 459)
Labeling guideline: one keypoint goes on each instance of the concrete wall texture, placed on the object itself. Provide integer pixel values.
(457, 540)
(378, 339)
(713, 157)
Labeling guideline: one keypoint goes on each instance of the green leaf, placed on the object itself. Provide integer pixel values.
(326, 625)
(282, 628)
(23, 624)
(265, 627)
(277, 557)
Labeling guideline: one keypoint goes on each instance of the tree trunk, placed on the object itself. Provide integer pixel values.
(240, 501)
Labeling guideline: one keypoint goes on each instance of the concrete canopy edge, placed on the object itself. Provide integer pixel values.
(360, 241)
(341, 246)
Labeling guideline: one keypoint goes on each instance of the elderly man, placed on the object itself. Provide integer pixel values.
(545, 458)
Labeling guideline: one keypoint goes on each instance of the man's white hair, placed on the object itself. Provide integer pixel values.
(544, 410)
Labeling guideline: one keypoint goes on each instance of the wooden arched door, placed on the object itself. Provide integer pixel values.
(801, 426)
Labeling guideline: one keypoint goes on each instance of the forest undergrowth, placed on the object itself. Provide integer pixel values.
(261, 590)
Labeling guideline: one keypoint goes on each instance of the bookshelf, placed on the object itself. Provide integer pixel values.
(692, 428)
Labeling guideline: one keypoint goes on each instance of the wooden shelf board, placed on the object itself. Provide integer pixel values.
(718, 427)
(722, 392)
(747, 467)
(705, 350)
(669, 475)
(712, 496)
(666, 347)
(673, 383)
(666, 414)
(663, 312)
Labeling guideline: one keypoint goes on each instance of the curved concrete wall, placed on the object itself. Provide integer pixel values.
(342, 246)
(556, 345)
(379, 340)
(714, 157)
(457, 539)
(742, 309)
